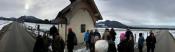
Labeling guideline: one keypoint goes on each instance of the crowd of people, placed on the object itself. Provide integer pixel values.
(127, 42)
(94, 41)
(57, 43)
(91, 39)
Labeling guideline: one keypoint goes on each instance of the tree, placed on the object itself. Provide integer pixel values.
(46, 21)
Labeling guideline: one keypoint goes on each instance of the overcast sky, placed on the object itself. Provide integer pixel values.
(131, 12)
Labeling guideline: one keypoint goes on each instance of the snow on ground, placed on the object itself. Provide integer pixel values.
(44, 27)
(82, 50)
(172, 32)
(4, 23)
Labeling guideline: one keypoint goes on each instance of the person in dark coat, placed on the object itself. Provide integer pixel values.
(58, 44)
(71, 41)
(47, 42)
(53, 30)
(96, 33)
(122, 45)
(111, 44)
(150, 42)
(130, 40)
(92, 41)
(141, 42)
(128, 34)
(39, 45)
(112, 34)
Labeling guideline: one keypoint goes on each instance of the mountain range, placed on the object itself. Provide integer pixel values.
(116, 24)
(31, 19)
(11, 18)
(102, 24)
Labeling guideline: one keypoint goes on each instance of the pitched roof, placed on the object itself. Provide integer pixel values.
(68, 8)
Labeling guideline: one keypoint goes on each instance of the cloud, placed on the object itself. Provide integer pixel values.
(47, 9)
(43, 9)
(11, 8)
(131, 12)
(139, 12)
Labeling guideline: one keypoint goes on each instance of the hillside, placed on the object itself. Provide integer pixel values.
(108, 23)
(10, 19)
(116, 24)
(30, 19)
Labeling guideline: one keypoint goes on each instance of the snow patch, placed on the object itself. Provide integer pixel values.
(4, 23)
(172, 32)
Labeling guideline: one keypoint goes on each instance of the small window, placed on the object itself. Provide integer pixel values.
(83, 28)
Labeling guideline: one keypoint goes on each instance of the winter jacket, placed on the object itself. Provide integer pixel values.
(122, 46)
(97, 34)
(122, 37)
(86, 36)
(141, 41)
(128, 34)
(130, 41)
(58, 45)
(111, 47)
(71, 40)
(113, 34)
(53, 30)
(151, 41)
(39, 45)
(92, 38)
(105, 35)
